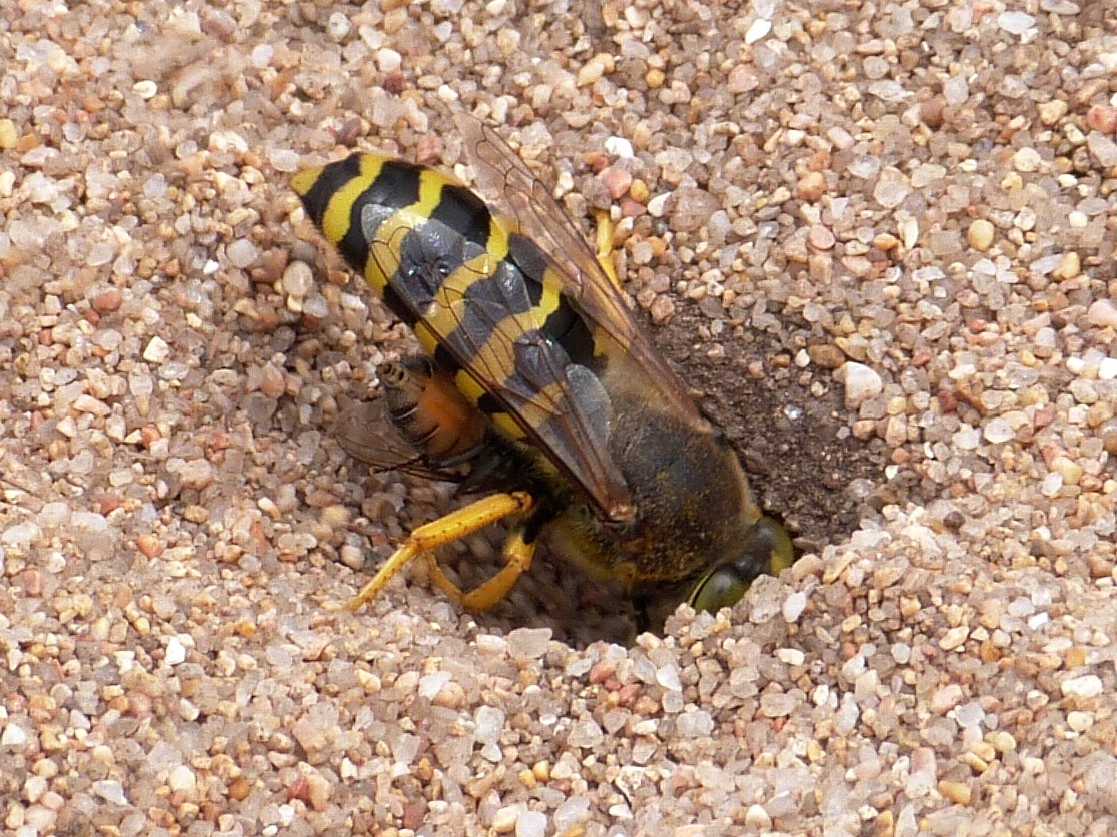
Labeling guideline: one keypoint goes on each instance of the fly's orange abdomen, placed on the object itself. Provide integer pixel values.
(430, 413)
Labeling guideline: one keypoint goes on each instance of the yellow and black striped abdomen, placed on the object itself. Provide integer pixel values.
(480, 297)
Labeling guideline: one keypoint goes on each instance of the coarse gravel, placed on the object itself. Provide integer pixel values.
(903, 210)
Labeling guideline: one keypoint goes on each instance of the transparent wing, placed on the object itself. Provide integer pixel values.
(365, 431)
(504, 179)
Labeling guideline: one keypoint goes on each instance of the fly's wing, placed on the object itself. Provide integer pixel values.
(503, 178)
(366, 432)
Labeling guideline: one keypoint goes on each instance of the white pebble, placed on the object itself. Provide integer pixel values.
(388, 60)
(156, 350)
(791, 656)
(1015, 23)
(338, 26)
(758, 31)
(668, 677)
(757, 819)
(1027, 160)
(657, 206)
(998, 431)
(954, 638)
(1051, 486)
(110, 790)
(861, 383)
(488, 724)
(1086, 686)
(967, 438)
(794, 605)
(529, 643)
(504, 820)
(262, 55)
(146, 89)
(14, 736)
(242, 252)
(182, 779)
(176, 652)
(620, 147)
(283, 159)
(531, 824)
(431, 684)
(1080, 721)
(1103, 313)
(20, 536)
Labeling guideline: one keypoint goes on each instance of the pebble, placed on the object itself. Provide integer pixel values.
(959, 793)
(695, 723)
(586, 733)
(758, 30)
(1102, 148)
(757, 819)
(1052, 111)
(821, 238)
(777, 704)
(811, 186)
(298, 279)
(1080, 721)
(1085, 686)
(9, 136)
(793, 606)
(693, 208)
(242, 253)
(110, 790)
(175, 653)
(617, 181)
(1102, 118)
(791, 656)
(1103, 313)
(892, 188)
(488, 724)
(1015, 23)
(182, 780)
(620, 147)
(318, 791)
(505, 818)
(998, 431)
(954, 638)
(531, 824)
(861, 383)
(1027, 160)
(388, 60)
(657, 206)
(13, 736)
(157, 350)
(946, 698)
(980, 235)
(529, 643)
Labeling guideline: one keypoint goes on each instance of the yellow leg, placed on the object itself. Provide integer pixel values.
(605, 246)
(517, 561)
(452, 527)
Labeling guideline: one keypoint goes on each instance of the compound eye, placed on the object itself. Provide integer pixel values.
(723, 587)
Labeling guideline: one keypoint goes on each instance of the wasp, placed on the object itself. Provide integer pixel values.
(537, 390)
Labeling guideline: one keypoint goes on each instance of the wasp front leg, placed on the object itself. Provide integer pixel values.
(446, 530)
(517, 560)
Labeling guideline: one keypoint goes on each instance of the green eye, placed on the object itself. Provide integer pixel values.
(767, 549)
(721, 588)
(769, 543)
